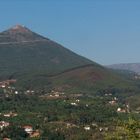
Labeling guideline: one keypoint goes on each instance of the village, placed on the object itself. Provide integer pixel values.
(9, 90)
(74, 100)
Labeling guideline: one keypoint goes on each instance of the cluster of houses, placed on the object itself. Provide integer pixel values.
(10, 114)
(7, 115)
(125, 109)
(95, 126)
(54, 95)
(75, 103)
(114, 101)
(7, 88)
(6, 83)
(4, 124)
(27, 128)
(29, 92)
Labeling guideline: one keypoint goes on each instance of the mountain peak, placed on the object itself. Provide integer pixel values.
(19, 28)
(20, 33)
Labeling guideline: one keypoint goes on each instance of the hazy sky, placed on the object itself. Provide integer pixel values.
(106, 31)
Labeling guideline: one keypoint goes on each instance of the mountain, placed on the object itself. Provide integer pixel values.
(22, 50)
(134, 67)
(38, 62)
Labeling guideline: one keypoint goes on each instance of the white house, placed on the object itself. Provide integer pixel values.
(119, 110)
(74, 104)
(87, 128)
(4, 124)
(16, 92)
(7, 115)
(28, 129)
(78, 100)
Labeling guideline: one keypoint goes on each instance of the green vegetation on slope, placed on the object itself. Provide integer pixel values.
(41, 64)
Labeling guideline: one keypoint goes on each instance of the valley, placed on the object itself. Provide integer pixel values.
(60, 115)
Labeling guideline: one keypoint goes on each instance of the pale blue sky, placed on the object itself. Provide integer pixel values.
(105, 31)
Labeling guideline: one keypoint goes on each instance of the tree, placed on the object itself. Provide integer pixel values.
(14, 132)
(128, 130)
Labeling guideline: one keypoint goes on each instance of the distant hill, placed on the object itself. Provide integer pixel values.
(38, 62)
(134, 67)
